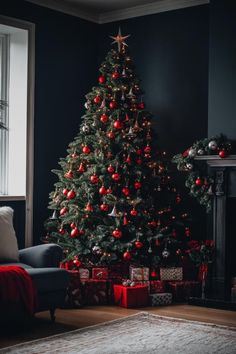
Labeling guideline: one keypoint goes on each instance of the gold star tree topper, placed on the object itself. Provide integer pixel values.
(120, 40)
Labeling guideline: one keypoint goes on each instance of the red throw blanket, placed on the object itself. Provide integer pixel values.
(16, 286)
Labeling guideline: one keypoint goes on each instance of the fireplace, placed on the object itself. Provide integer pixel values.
(223, 228)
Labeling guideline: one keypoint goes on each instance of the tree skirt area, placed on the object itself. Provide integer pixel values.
(141, 333)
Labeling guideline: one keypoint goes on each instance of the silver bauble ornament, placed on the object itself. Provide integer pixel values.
(200, 152)
(132, 283)
(189, 166)
(85, 129)
(192, 152)
(96, 249)
(212, 145)
(165, 253)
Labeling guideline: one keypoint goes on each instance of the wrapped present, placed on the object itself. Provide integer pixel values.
(183, 290)
(96, 292)
(139, 274)
(84, 273)
(157, 286)
(171, 273)
(131, 296)
(74, 296)
(160, 299)
(100, 273)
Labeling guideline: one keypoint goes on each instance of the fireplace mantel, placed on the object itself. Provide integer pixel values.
(216, 161)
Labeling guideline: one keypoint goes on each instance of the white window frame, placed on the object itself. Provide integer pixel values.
(30, 27)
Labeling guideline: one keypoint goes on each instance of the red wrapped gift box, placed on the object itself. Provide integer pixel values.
(157, 286)
(74, 296)
(96, 292)
(131, 296)
(100, 273)
(182, 290)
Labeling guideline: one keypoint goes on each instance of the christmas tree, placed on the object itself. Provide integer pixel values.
(114, 199)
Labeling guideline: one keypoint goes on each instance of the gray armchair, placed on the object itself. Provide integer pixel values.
(51, 282)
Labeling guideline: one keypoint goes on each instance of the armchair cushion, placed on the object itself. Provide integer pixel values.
(41, 256)
(8, 242)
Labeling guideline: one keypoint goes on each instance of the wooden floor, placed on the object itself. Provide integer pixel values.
(67, 320)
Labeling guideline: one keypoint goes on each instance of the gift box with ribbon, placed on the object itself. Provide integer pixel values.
(160, 299)
(171, 273)
(131, 296)
(139, 274)
(100, 273)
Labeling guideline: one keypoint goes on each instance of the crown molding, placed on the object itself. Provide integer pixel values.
(67, 8)
(112, 16)
(148, 9)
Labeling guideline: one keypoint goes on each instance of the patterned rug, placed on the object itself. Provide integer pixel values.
(142, 333)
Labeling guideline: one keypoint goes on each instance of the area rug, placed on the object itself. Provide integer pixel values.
(142, 333)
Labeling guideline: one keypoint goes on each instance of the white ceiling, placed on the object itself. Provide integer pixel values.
(102, 11)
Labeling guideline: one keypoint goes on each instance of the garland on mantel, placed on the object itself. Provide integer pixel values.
(201, 185)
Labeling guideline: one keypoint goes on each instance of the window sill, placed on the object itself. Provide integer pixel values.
(11, 197)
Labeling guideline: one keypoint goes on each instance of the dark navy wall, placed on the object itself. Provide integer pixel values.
(170, 50)
(222, 68)
(65, 70)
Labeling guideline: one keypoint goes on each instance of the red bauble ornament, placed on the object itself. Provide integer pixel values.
(139, 152)
(63, 211)
(102, 190)
(138, 244)
(223, 153)
(101, 79)
(116, 177)
(115, 75)
(81, 168)
(178, 199)
(72, 225)
(113, 104)
(153, 274)
(118, 124)
(97, 99)
(69, 174)
(199, 182)
(109, 190)
(110, 169)
(104, 207)
(128, 159)
(74, 155)
(152, 223)
(126, 191)
(61, 231)
(104, 118)
(117, 233)
(94, 179)
(88, 207)
(65, 191)
(139, 161)
(127, 256)
(111, 135)
(141, 105)
(74, 233)
(133, 212)
(178, 252)
(137, 185)
(71, 194)
(86, 149)
(187, 231)
(77, 263)
(147, 149)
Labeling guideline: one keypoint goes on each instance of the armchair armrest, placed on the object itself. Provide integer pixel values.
(41, 256)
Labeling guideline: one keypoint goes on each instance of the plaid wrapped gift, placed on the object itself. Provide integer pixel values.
(160, 299)
(157, 286)
(84, 273)
(100, 273)
(171, 273)
(183, 290)
(139, 274)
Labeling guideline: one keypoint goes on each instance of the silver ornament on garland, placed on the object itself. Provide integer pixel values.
(189, 166)
(85, 129)
(213, 145)
(97, 250)
(165, 253)
(192, 152)
(200, 152)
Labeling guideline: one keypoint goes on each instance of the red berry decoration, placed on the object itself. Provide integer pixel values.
(104, 118)
(81, 168)
(63, 211)
(88, 207)
(101, 79)
(147, 149)
(115, 177)
(102, 190)
(118, 124)
(141, 105)
(139, 161)
(113, 104)
(127, 256)
(126, 191)
(138, 244)
(133, 212)
(94, 179)
(223, 153)
(139, 152)
(97, 99)
(199, 182)
(72, 225)
(86, 149)
(71, 194)
(74, 233)
(65, 191)
(117, 233)
(137, 185)
(111, 135)
(115, 75)
(110, 169)
(69, 174)
(104, 207)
